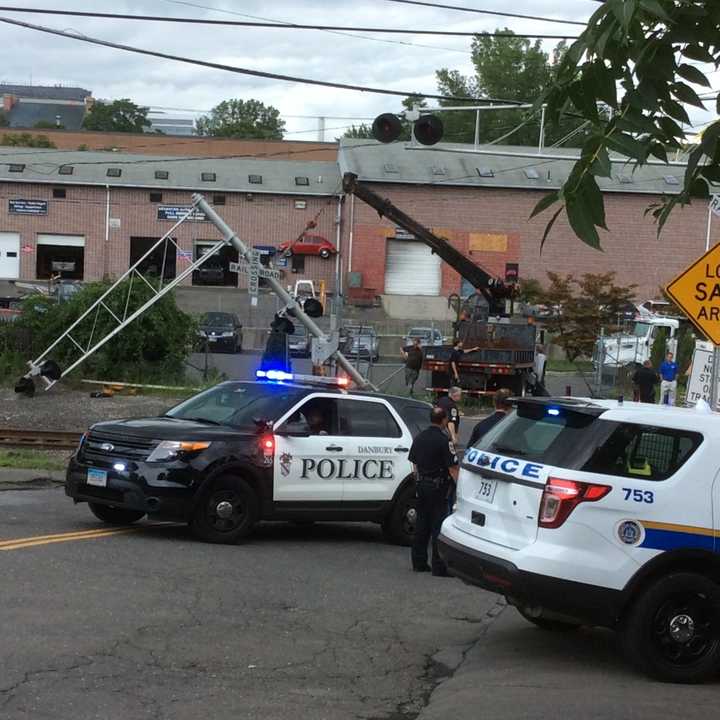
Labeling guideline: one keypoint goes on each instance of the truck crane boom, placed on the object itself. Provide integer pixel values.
(493, 289)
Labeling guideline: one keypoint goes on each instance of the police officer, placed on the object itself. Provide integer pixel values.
(449, 404)
(435, 465)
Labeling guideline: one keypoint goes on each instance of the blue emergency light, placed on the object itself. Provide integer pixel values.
(274, 375)
(553, 411)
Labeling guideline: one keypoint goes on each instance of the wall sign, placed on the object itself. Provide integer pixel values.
(28, 207)
(177, 212)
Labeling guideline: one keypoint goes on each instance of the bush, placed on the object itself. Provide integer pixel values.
(151, 349)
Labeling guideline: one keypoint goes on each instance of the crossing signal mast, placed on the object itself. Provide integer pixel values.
(427, 129)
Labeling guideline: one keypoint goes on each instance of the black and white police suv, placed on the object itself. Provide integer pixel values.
(602, 513)
(285, 448)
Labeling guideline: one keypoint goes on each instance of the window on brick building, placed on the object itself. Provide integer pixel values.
(16, 167)
(114, 172)
(208, 177)
(155, 197)
(218, 199)
(59, 193)
(66, 170)
(255, 179)
(162, 174)
(302, 181)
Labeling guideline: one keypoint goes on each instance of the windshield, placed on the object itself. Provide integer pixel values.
(217, 318)
(238, 404)
(419, 332)
(641, 329)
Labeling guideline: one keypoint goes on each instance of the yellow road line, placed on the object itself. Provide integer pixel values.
(20, 543)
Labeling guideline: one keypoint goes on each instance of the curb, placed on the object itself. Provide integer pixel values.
(16, 476)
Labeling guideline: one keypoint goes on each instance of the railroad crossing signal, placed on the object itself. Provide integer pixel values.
(697, 292)
(263, 272)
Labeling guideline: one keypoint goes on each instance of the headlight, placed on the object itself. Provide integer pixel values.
(172, 449)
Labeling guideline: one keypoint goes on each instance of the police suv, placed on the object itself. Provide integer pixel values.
(284, 448)
(602, 513)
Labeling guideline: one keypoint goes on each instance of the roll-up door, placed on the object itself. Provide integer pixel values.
(60, 257)
(411, 269)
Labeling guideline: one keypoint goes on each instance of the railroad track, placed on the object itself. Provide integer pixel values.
(40, 439)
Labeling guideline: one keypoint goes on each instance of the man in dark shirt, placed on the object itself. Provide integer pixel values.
(449, 404)
(413, 363)
(502, 407)
(645, 379)
(455, 356)
(435, 465)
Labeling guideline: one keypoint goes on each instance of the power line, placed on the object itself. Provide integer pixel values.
(487, 12)
(278, 25)
(246, 71)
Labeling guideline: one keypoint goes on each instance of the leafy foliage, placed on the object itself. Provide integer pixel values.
(242, 119)
(581, 308)
(27, 140)
(510, 68)
(118, 116)
(362, 131)
(637, 57)
(155, 345)
(4, 122)
(48, 125)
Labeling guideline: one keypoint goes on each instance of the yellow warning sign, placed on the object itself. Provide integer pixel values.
(697, 292)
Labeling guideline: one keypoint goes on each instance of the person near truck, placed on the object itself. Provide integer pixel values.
(413, 357)
(455, 356)
(449, 403)
(668, 384)
(645, 379)
(435, 466)
(502, 407)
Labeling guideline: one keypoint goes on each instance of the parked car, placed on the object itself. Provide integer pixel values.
(308, 245)
(221, 331)
(299, 343)
(428, 336)
(360, 341)
(212, 273)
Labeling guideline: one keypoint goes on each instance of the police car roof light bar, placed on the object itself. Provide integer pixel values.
(282, 376)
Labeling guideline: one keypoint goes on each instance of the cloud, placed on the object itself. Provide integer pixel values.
(109, 73)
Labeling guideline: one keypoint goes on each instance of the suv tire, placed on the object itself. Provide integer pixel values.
(398, 526)
(115, 515)
(226, 511)
(672, 631)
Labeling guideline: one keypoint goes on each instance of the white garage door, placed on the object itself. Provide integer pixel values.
(9, 255)
(64, 240)
(411, 269)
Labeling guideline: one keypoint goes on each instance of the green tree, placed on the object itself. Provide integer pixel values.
(509, 68)
(26, 139)
(4, 122)
(639, 57)
(581, 307)
(242, 119)
(359, 131)
(118, 116)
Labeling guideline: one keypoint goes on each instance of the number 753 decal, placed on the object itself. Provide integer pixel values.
(641, 496)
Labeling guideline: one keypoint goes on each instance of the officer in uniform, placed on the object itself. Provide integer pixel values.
(436, 466)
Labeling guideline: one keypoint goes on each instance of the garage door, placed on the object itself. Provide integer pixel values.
(64, 240)
(411, 269)
(9, 255)
(60, 256)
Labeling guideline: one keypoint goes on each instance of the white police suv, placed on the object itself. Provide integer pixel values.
(284, 448)
(602, 513)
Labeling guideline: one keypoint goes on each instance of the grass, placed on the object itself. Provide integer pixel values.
(33, 459)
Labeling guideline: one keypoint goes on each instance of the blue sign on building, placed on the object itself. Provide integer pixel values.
(28, 207)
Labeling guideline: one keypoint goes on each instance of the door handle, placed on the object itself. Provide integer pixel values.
(333, 448)
(402, 449)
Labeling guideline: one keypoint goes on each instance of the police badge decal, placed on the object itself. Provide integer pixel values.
(285, 460)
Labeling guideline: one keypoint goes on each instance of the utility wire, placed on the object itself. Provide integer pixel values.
(246, 71)
(488, 12)
(278, 24)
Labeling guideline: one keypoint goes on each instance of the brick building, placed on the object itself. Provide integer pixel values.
(482, 203)
(89, 215)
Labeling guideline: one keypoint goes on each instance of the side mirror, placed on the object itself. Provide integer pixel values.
(293, 430)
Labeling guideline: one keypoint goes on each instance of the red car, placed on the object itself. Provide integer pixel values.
(308, 245)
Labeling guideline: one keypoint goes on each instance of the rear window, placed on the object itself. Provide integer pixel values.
(584, 441)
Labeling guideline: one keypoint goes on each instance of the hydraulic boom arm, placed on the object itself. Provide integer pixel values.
(493, 289)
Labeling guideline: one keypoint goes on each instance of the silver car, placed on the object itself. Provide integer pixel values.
(429, 336)
(300, 343)
(361, 341)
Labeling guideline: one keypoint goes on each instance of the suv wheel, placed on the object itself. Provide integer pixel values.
(398, 527)
(547, 623)
(672, 632)
(114, 515)
(226, 511)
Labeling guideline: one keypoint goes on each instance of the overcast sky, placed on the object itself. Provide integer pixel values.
(28, 56)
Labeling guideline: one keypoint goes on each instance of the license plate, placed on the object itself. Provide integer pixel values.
(213, 339)
(97, 477)
(486, 491)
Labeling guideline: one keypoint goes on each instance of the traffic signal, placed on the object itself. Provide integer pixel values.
(386, 128)
(428, 129)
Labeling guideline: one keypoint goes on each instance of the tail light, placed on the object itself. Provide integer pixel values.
(561, 497)
(267, 446)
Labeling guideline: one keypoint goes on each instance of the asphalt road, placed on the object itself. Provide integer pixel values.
(299, 622)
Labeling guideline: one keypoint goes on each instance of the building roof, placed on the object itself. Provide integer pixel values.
(26, 114)
(498, 166)
(45, 92)
(230, 174)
